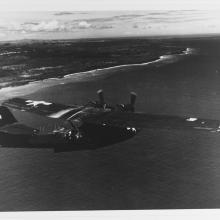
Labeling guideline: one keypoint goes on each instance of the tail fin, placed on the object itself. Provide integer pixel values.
(6, 117)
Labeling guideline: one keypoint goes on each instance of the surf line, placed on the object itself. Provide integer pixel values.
(31, 87)
(162, 59)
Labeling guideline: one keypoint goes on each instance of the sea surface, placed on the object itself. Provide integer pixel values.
(157, 169)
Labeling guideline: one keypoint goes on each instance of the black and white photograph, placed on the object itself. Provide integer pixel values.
(114, 109)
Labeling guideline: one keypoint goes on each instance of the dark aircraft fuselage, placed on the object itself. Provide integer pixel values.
(85, 127)
(90, 137)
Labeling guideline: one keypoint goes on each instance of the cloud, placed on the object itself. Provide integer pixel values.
(111, 18)
(69, 13)
(141, 20)
(105, 27)
(212, 26)
(171, 19)
(127, 17)
(52, 25)
(63, 13)
(135, 26)
(142, 26)
(14, 26)
(2, 35)
(27, 23)
(84, 24)
(46, 26)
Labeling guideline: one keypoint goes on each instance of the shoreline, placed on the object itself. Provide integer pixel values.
(34, 86)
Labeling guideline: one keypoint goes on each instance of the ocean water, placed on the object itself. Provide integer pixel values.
(158, 168)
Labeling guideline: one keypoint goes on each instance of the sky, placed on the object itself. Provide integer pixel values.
(80, 5)
(28, 19)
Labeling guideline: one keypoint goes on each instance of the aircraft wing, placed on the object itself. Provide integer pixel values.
(43, 108)
(142, 120)
(17, 129)
(114, 118)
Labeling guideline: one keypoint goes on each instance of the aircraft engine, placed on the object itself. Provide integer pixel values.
(130, 107)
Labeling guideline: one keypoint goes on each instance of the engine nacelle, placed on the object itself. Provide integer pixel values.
(130, 107)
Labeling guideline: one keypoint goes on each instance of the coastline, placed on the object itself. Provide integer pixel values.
(31, 87)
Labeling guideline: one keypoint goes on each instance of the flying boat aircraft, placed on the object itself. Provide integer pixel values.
(90, 126)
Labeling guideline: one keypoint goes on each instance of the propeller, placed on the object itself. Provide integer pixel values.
(101, 97)
(130, 107)
(133, 97)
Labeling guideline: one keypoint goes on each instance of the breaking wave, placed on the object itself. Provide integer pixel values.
(164, 59)
(8, 53)
(45, 68)
(35, 85)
